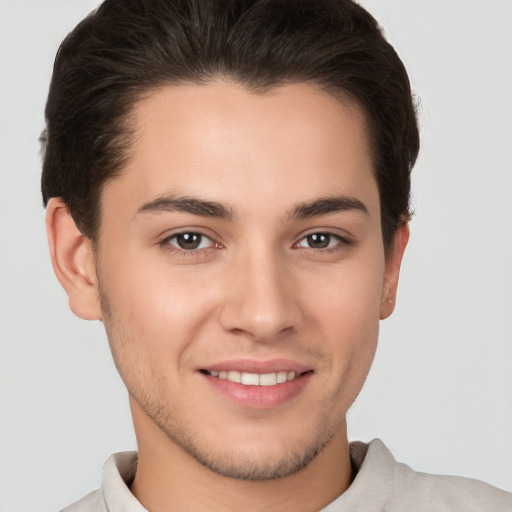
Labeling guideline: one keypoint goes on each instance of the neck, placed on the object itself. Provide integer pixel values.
(168, 478)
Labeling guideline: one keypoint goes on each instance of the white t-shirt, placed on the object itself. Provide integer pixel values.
(381, 485)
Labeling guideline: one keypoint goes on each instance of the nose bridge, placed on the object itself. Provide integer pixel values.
(260, 301)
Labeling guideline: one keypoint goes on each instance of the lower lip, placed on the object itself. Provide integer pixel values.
(259, 397)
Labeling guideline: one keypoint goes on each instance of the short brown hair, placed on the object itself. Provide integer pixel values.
(127, 47)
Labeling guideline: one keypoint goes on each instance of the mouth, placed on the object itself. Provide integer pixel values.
(256, 379)
(258, 384)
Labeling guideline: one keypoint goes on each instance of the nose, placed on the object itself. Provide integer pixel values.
(262, 298)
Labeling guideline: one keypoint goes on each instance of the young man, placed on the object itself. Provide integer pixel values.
(227, 189)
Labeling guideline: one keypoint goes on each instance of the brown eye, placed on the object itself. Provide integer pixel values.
(190, 241)
(320, 241)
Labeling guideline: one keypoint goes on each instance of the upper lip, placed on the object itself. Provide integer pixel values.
(257, 366)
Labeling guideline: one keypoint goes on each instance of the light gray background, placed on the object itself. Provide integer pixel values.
(440, 392)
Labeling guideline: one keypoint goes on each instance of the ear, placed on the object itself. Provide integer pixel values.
(392, 270)
(73, 261)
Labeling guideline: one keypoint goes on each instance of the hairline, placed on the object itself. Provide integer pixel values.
(128, 120)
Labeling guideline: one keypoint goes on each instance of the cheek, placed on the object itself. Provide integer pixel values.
(350, 294)
(347, 314)
(153, 305)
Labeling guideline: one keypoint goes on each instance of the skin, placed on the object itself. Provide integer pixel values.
(256, 288)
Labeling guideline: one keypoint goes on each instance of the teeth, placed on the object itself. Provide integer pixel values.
(250, 379)
(234, 376)
(282, 377)
(254, 379)
(268, 379)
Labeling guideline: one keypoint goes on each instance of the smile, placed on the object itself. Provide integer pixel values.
(254, 379)
(258, 384)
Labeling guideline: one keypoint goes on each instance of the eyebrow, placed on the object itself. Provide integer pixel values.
(187, 205)
(328, 205)
(203, 208)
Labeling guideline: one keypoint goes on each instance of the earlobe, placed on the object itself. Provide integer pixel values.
(73, 261)
(392, 270)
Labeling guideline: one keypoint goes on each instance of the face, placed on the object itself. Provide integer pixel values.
(242, 272)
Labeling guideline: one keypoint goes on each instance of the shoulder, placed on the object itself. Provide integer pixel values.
(448, 493)
(395, 487)
(93, 502)
(114, 494)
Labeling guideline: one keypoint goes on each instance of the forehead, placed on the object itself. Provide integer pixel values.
(222, 142)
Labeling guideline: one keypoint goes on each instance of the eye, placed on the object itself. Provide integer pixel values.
(190, 241)
(320, 241)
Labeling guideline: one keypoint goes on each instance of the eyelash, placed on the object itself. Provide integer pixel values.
(342, 243)
(188, 253)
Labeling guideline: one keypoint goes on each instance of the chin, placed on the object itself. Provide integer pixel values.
(256, 464)
(255, 452)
